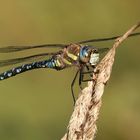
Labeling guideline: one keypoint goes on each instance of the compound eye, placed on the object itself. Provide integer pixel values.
(86, 54)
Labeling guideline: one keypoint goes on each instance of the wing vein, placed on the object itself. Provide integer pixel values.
(9, 49)
(24, 59)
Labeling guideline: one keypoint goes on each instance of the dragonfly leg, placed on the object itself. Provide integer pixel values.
(72, 84)
(87, 67)
(81, 76)
(90, 72)
(87, 80)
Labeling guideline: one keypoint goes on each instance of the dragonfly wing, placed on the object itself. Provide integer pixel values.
(106, 39)
(24, 59)
(102, 50)
(22, 48)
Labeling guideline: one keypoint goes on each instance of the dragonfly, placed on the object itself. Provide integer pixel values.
(77, 54)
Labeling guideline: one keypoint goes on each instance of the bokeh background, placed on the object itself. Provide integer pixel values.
(37, 105)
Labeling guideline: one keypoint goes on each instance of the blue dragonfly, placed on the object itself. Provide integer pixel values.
(84, 57)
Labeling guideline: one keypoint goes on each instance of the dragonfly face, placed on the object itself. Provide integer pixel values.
(89, 55)
(94, 58)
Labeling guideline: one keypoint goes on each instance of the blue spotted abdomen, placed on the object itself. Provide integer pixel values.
(26, 67)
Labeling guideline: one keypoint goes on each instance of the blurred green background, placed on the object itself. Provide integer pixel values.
(37, 105)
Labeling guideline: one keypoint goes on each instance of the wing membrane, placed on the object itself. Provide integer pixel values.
(102, 50)
(22, 48)
(9, 49)
(24, 59)
(105, 39)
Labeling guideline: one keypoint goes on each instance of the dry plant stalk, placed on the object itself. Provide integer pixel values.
(82, 124)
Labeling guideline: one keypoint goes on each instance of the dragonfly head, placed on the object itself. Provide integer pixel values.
(89, 55)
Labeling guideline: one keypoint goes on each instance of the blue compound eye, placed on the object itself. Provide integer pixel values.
(85, 54)
(86, 51)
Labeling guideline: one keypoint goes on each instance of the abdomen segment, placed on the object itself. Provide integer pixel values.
(26, 67)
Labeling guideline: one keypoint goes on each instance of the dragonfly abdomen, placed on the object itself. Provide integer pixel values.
(26, 67)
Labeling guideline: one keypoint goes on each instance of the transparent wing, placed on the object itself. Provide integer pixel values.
(21, 48)
(23, 59)
(105, 39)
(102, 50)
